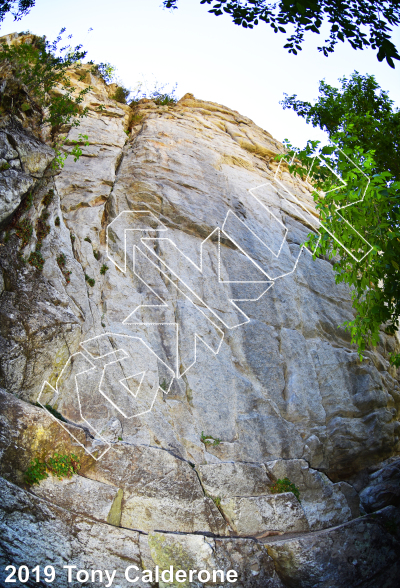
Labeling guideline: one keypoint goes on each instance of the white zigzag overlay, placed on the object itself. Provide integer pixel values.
(186, 290)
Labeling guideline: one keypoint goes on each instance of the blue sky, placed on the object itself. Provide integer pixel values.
(247, 70)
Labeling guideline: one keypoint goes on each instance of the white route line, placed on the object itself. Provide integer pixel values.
(56, 391)
(199, 300)
(337, 207)
(144, 241)
(79, 353)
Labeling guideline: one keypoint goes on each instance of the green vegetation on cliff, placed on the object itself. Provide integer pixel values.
(357, 190)
(60, 466)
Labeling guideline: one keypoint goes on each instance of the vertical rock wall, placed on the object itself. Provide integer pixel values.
(195, 404)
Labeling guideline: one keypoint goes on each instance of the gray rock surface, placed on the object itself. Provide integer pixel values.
(81, 495)
(256, 515)
(362, 553)
(324, 503)
(383, 488)
(225, 480)
(36, 532)
(23, 160)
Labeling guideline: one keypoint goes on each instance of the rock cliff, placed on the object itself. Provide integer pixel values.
(193, 350)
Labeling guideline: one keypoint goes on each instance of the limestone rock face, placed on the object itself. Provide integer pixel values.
(359, 553)
(382, 488)
(325, 504)
(193, 350)
(260, 514)
(23, 160)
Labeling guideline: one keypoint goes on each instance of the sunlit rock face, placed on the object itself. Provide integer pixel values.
(195, 352)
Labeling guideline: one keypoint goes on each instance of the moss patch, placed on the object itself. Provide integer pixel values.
(114, 516)
(166, 554)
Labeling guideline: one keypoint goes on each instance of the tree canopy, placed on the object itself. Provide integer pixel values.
(34, 76)
(18, 8)
(356, 181)
(358, 96)
(363, 23)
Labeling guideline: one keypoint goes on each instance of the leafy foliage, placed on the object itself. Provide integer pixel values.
(39, 68)
(36, 471)
(209, 440)
(63, 466)
(103, 269)
(217, 501)
(18, 8)
(76, 151)
(357, 97)
(48, 198)
(105, 71)
(371, 216)
(363, 23)
(36, 259)
(285, 485)
(90, 281)
(121, 94)
(24, 231)
(60, 466)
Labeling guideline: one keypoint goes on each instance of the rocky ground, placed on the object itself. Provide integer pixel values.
(188, 210)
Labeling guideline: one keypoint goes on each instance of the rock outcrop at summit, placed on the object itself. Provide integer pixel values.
(186, 408)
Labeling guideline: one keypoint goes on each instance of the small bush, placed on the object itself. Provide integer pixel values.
(159, 94)
(38, 67)
(135, 119)
(42, 228)
(88, 239)
(35, 472)
(36, 259)
(62, 260)
(5, 166)
(28, 202)
(96, 254)
(24, 231)
(48, 197)
(121, 94)
(61, 466)
(90, 281)
(57, 221)
(103, 269)
(72, 238)
(209, 440)
(285, 485)
(105, 71)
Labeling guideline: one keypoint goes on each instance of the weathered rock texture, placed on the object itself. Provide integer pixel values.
(283, 394)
